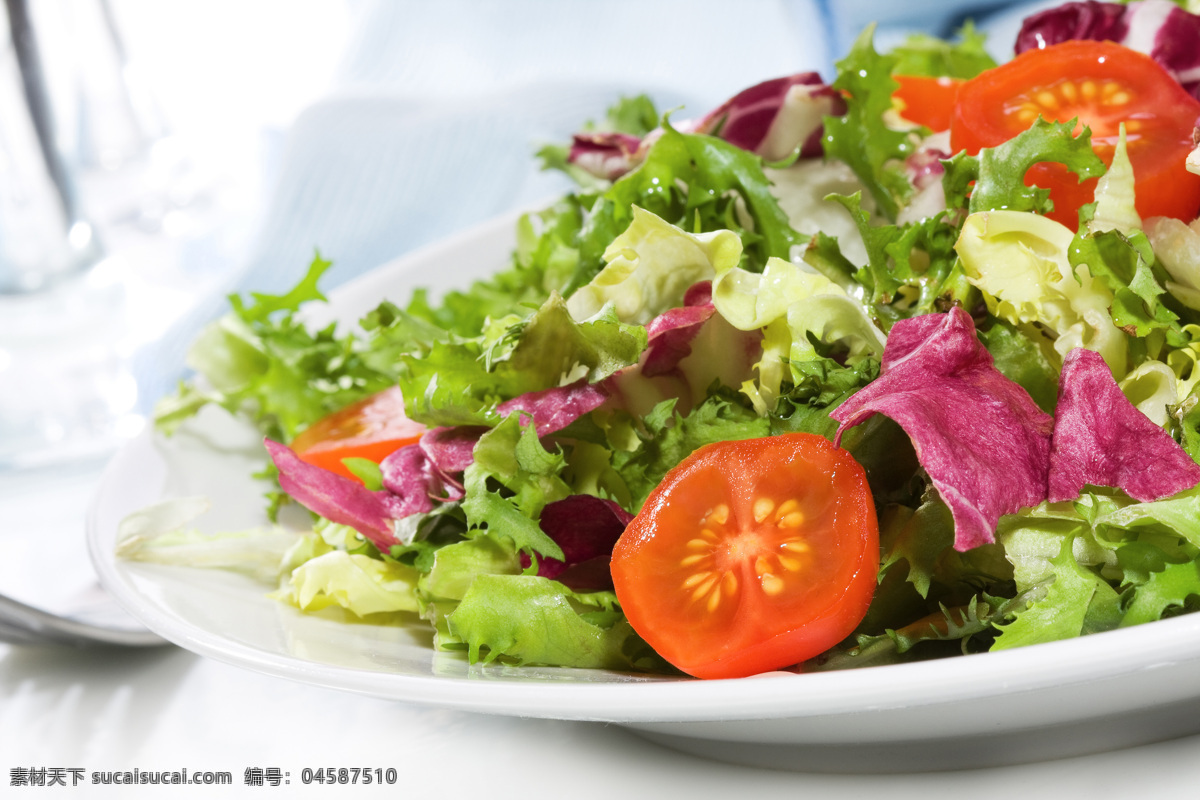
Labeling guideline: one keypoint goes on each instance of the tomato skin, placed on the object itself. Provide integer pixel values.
(926, 100)
(1102, 84)
(721, 590)
(373, 428)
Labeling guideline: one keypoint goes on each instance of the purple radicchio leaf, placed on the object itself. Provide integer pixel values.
(669, 335)
(336, 498)
(432, 468)
(1079, 20)
(555, 408)
(1158, 28)
(983, 441)
(1100, 438)
(687, 349)
(925, 166)
(413, 479)
(586, 528)
(607, 155)
(775, 117)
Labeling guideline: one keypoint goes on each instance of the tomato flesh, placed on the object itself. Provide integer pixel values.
(750, 556)
(372, 428)
(927, 101)
(1103, 84)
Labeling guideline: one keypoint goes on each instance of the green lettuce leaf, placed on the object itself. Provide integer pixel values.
(1077, 601)
(910, 268)
(524, 619)
(261, 362)
(922, 54)
(455, 566)
(163, 533)
(360, 584)
(995, 179)
(860, 137)
(1126, 266)
(1115, 209)
(1019, 355)
(1169, 588)
(510, 481)
(669, 437)
(461, 382)
(701, 184)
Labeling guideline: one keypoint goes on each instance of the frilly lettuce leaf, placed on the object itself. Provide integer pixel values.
(512, 478)
(995, 179)
(792, 303)
(1021, 262)
(1169, 588)
(702, 183)
(922, 54)
(360, 584)
(670, 437)
(860, 137)
(1077, 601)
(650, 266)
(1127, 266)
(262, 362)
(456, 565)
(910, 267)
(524, 619)
(1092, 547)
(461, 382)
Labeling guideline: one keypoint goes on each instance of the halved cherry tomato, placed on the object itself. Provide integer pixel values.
(1103, 84)
(750, 556)
(927, 101)
(372, 428)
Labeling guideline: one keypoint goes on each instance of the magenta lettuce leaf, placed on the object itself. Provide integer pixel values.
(339, 499)
(1158, 28)
(983, 441)
(1101, 439)
(669, 335)
(586, 528)
(432, 468)
(605, 154)
(555, 408)
(775, 117)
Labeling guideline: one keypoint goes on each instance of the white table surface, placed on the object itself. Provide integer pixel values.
(394, 65)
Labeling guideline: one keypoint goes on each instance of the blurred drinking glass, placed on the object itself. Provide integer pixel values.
(66, 391)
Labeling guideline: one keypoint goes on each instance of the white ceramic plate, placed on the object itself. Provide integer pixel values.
(1100, 692)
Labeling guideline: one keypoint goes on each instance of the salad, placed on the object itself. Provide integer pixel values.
(838, 374)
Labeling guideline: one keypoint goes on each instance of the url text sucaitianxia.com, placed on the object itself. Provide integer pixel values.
(77, 776)
(251, 776)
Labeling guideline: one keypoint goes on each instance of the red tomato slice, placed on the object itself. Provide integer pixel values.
(1103, 84)
(372, 428)
(751, 556)
(927, 101)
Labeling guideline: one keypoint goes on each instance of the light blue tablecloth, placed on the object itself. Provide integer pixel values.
(438, 109)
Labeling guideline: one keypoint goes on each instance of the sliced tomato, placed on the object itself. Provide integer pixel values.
(372, 428)
(927, 101)
(750, 556)
(1102, 84)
